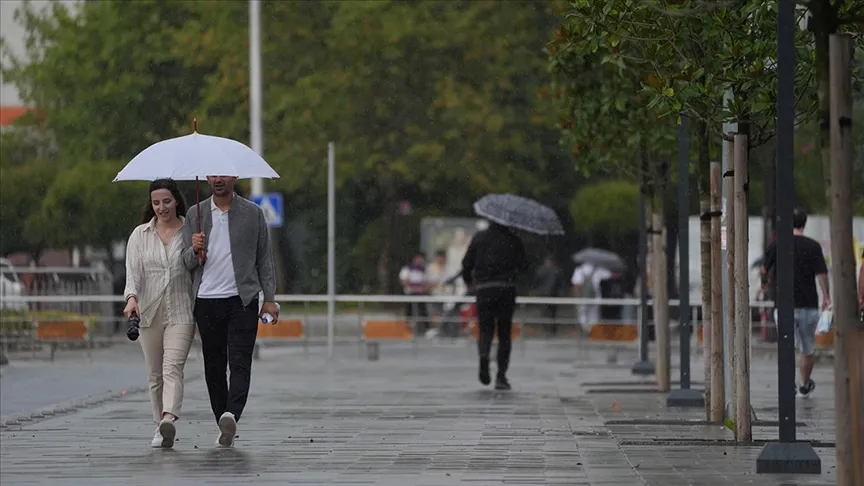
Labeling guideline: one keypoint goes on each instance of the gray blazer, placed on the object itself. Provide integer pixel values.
(250, 248)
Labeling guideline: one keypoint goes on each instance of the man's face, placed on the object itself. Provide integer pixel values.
(222, 185)
(440, 259)
(419, 260)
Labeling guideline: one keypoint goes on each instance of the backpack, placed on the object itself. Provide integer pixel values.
(587, 290)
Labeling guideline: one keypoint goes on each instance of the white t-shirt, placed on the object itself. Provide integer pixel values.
(583, 271)
(415, 278)
(218, 280)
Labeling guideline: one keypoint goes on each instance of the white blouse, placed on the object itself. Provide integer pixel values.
(155, 275)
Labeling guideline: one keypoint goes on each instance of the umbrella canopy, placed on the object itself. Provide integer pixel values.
(196, 156)
(520, 213)
(600, 258)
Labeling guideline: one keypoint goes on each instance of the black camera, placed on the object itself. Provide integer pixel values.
(134, 329)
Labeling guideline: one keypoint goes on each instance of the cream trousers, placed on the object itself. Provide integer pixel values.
(166, 346)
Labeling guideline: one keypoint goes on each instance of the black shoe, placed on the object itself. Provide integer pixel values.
(501, 383)
(807, 388)
(485, 378)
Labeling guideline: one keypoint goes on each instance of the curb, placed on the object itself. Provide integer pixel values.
(22, 419)
(18, 420)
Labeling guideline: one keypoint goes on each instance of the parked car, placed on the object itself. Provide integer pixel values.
(10, 286)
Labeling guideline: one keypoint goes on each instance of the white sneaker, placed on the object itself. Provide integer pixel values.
(158, 440)
(227, 430)
(168, 431)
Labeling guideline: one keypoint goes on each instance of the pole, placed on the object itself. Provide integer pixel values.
(849, 331)
(684, 396)
(255, 94)
(741, 352)
(644, 366)
(705, 275)
(331, 245)
(787, 455)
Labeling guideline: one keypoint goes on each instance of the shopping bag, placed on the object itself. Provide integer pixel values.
(824, 324)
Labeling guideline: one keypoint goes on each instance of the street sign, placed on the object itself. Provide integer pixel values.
(271, 204)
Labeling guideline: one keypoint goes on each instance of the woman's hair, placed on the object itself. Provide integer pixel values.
(147, 214)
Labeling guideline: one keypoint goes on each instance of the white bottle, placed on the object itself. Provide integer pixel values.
(267, 318)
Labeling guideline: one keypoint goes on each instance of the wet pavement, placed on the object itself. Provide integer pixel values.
(415, 417)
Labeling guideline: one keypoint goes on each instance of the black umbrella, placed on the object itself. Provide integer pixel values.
(520, 213)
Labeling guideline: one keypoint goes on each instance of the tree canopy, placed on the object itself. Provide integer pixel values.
(426, 101)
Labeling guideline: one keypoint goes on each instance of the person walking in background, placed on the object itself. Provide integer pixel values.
(159, 291)
(809, 268)
(548, 282)
(586, 282)
(436, 278)
(494, 259)
(238, 267)
(414, 282)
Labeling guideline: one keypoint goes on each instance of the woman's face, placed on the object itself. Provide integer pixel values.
(164, 204)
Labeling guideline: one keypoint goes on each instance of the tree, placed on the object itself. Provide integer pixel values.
(425, 100)
(104, 77)
(82, 206)
(607, 212)
(21, 190)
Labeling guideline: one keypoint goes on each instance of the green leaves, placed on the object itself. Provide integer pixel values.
(106, 81)
(82, 206)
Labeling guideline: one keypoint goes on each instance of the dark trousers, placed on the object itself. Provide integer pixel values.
(495, 307)
(418, 314)
(549, 313)
(228, 331)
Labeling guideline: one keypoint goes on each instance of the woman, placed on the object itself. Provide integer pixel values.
(159, 291)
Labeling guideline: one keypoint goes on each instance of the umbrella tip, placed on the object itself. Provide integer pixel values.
(194, 124)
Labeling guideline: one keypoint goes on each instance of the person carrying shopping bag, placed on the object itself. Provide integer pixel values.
(159, 291)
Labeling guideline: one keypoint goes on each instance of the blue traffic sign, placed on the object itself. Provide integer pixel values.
(271, 204)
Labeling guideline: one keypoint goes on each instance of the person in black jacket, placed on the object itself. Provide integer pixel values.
(493, 261)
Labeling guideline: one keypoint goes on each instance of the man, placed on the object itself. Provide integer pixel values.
(547, 279)
(238, 266)
(809, 268)
(493, 261)
(414, 282)
(586, 282)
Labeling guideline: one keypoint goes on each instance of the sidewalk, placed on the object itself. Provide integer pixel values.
(416, 417)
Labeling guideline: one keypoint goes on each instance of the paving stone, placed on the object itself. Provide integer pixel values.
(415, 417)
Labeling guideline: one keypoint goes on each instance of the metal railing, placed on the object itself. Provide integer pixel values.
(353, 311)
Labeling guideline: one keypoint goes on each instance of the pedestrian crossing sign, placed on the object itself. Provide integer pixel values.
(271, 204)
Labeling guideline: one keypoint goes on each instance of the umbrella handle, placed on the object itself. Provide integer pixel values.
(202, 255)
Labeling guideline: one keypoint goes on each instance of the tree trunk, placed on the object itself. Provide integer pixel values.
(849, 336)
(385, 274)
(660, 294)
(823, 23)
(730, 275)
(718, 380)
(703, 183)
(741, 351)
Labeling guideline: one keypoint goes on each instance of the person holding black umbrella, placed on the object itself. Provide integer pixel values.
(493, 261)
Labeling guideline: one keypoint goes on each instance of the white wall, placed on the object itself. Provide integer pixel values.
(818, 227)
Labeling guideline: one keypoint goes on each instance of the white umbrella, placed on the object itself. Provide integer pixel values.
(196, 156)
